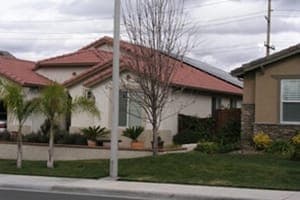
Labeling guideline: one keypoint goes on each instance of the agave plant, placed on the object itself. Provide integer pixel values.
(93, 132)
(133, 132)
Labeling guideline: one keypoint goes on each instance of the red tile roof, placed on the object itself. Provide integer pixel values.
(89, 72)
(194, 78)
(82, 57)
(186, 75)
(21, 72)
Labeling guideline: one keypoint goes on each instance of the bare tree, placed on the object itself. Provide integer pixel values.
(161, 36)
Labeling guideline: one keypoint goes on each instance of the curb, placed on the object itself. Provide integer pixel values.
(137, 190)
(116, 193)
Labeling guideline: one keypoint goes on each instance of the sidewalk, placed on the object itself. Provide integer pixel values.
(139, 190)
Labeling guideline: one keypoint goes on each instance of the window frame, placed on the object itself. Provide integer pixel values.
(127, 111)
(282, 101)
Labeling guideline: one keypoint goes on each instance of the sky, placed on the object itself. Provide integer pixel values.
(230, 32)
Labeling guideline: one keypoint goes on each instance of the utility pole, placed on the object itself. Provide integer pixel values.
(115, 98)
(268, 18)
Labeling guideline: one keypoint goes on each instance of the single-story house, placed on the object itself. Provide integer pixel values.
(271, 95)
(88, 71)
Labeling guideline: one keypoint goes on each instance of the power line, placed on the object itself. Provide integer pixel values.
(54, 21)
(206, 4)
(231, 17)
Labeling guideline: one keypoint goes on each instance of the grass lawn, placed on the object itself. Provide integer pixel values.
(254, 171)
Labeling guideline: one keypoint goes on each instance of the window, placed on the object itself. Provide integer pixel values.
(290, 101)
(233, 103)
(129, 111)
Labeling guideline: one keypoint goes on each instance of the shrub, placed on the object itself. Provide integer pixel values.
(296, 139)
(296, 154)
(281, 147)
(225, 148)
(187, 137)
(207, 147)
(193, 129)
(262, 141)
(5, 136)
(133, 132)
(36, 138)
(61, 137)
(230, 133)
(73, 139)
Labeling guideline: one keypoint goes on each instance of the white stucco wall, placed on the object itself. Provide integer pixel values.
(60, 74)
(34, 122)
(102, 100)
(180, 103)
(185, 103)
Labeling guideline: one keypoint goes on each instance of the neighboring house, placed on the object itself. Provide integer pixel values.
(88, 71)
(21, 72)
(271, 101)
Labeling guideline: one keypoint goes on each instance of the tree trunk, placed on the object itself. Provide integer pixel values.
(50, 162)
(155, 140)
(19, 151)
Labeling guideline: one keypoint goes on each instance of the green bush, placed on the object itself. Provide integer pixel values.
(226, 148)
(230, 133)
(194, 129)
(296, 154)
(5, 136)
(73, 139)
(207, 147)
(36, 138)
(187, 137)
(281, 147)
(61, 137)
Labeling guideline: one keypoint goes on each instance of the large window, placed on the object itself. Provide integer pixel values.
(290, 101)
(129, 111)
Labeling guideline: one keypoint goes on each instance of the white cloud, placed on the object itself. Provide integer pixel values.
(232, 31)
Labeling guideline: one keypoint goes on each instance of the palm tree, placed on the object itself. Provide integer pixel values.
(54, 103)
(17, 105)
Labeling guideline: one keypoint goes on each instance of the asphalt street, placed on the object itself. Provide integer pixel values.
(32, 195)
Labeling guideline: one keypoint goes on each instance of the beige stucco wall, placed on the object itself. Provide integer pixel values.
(60, 74)
(265, 88)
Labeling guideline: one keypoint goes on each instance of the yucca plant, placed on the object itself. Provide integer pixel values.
(94, 132)
(133, 132)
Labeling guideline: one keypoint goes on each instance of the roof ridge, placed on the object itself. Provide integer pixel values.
(65, 55)
(104, 39)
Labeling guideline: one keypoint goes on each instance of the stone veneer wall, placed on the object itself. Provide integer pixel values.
(248, 117)
(278, 131)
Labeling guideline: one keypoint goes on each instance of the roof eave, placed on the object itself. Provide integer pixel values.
(248, 67)
(208, 90)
